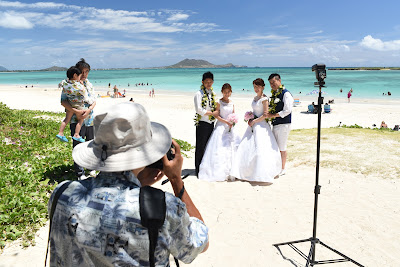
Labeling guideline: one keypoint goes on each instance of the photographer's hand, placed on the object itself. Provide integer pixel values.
(173, 168)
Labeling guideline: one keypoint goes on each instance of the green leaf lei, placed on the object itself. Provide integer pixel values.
(272, 104)
(204, 100)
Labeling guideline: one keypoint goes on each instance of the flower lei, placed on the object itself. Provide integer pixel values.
(273, 101)
(204, 100)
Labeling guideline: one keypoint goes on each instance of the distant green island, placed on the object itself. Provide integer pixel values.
(199, 63)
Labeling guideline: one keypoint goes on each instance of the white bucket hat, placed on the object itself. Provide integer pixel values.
(124, 139)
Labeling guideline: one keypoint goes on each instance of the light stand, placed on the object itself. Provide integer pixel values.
(314, 240)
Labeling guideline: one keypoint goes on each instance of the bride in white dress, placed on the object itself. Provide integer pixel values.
(217, 160)
(258, 158)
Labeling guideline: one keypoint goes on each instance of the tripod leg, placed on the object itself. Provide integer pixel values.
(309, 261)
(341, 254)
(292, 242)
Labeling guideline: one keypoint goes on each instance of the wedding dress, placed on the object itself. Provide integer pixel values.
(217, 160)
(258, 157)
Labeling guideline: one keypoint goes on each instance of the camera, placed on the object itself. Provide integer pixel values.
(159, 164)
(320, 73)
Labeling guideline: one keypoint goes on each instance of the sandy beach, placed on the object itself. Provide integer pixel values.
(358, 214)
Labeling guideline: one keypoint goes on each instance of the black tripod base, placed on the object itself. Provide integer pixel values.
(310, 257)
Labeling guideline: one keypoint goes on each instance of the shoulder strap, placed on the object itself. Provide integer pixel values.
(152, 215)
(153, 210)
(52, 209)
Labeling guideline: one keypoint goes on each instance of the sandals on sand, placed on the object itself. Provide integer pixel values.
(62, 138)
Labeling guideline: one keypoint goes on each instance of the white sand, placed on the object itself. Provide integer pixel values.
(358, 215)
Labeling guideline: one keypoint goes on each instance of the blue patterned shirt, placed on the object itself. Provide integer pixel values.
(97, 223)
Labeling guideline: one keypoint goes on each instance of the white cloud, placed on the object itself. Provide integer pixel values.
(39, 5)
(93, 19)
(177, 17)
(317, 32)
(20, 41)
(199, 27)
(14, 21)
(345, 48)
(101, 45)
(379, 45)
(267, 37)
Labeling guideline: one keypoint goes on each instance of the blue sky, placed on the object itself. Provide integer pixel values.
(35, 35)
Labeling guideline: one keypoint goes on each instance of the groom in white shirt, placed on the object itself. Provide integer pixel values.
(282, 117)
(205, 106)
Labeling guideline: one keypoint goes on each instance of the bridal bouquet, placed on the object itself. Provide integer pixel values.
(248, 116)
(232, 118)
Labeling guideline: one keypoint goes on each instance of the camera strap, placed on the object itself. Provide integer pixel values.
(152, 215)
(52, 210)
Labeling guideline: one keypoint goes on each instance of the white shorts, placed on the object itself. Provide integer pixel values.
(281, 133)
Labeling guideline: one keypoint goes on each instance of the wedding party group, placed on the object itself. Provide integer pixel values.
(260, 154)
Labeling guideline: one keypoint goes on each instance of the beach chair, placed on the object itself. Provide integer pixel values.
(311, 109)
(296, 102)
(327, 108)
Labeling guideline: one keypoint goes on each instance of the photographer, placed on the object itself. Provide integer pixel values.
(97, 221)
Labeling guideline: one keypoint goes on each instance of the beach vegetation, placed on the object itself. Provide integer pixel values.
(355, 149)
(360, 127)
(33, 162)
(185, 146)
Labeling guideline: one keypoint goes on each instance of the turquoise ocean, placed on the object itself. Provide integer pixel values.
(366, 84)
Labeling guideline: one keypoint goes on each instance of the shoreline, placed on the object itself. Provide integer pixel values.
(236, 94)
(144, 89)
